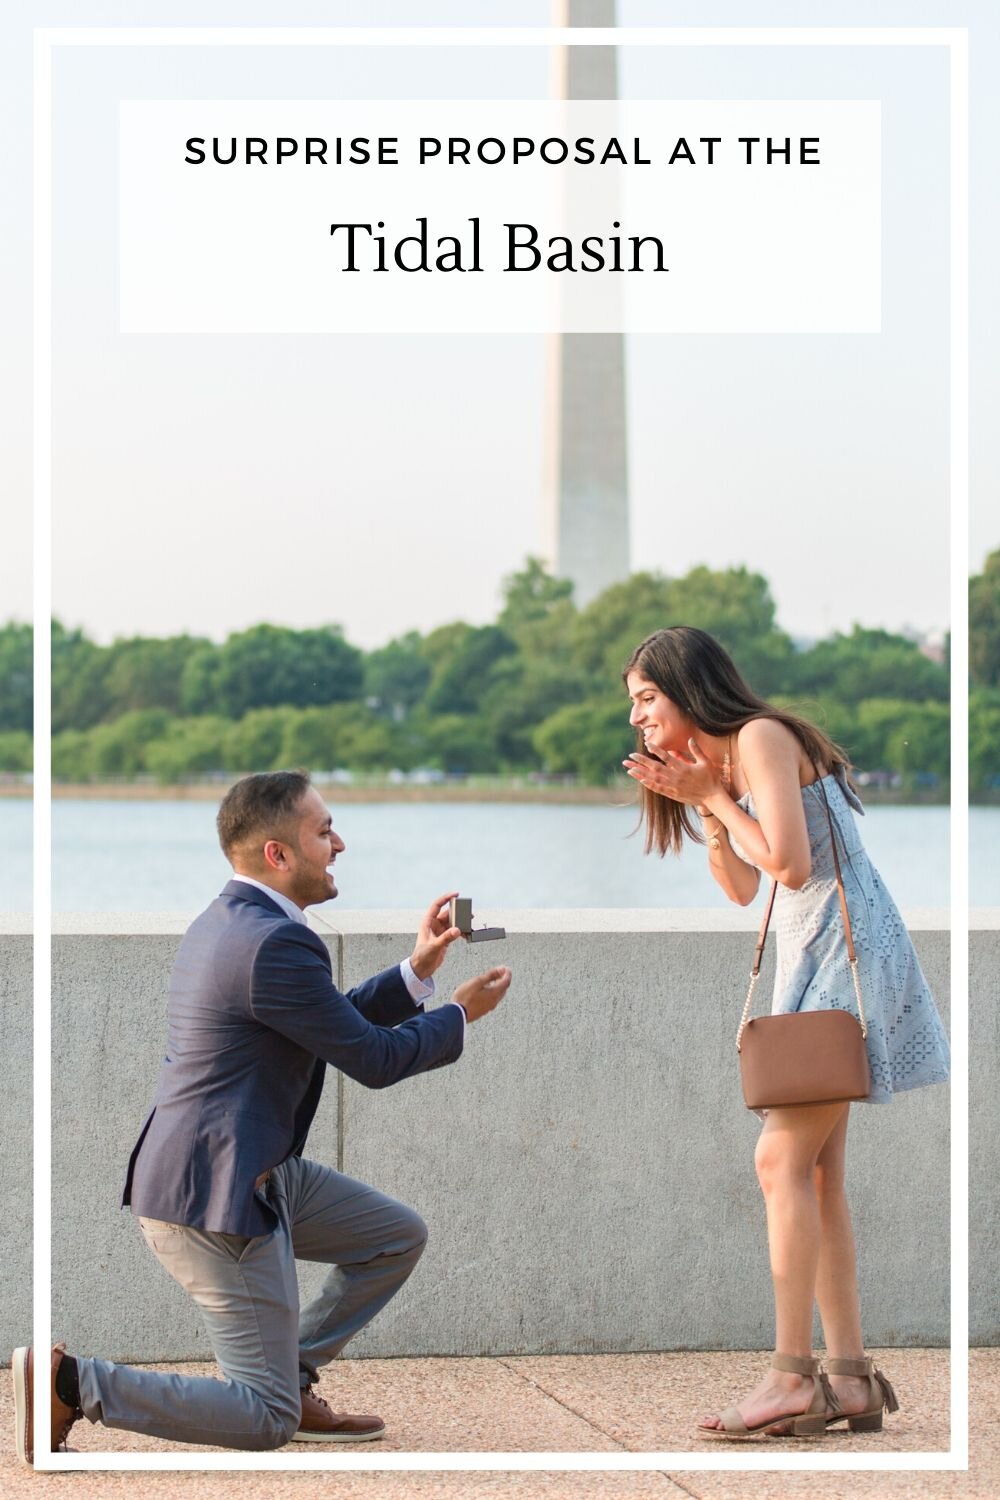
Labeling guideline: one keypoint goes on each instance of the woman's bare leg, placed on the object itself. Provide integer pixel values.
(837, 1272)
(786, 1158)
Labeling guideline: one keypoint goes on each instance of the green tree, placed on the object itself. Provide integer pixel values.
(457, 743)
(894, 734)
(532, 601)
(732, 604)
(589, 740)
(346, 736)
(146, 672)
(190, 747)
(736, 607)
(524, 691)
(71, 755)
(256, 742)
(119, 748)
(921, 743)
(15, 750)
(540, 617)
(464, 676)
(267, 666)
(870, 664)
(397, 676)
(612, 625)
(308, 740)
(984, 624)
(838, 720)
(16, 677)
(79, 668)
(984, 739)
(198, 679)
(441, 644)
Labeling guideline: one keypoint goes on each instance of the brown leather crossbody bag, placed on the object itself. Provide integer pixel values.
(807, 1057)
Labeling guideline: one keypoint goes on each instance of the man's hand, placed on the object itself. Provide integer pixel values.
(434, 938)
(481, 995)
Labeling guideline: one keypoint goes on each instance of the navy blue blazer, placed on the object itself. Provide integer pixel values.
(253, 1019)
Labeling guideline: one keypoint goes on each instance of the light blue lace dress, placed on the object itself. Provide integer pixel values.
(907, 1046)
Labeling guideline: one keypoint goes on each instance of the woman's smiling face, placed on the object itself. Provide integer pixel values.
(661, 722)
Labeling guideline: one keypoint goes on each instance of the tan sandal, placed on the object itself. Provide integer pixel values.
(813, 1422)
(881, 1396)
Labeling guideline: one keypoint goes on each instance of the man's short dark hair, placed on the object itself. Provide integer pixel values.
(259, 807)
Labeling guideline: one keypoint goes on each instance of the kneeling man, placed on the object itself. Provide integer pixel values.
(224, 1197)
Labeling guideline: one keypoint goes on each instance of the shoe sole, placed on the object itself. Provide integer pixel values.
(337, 1437)
(761, 1434)
(19, 1370)
(757, 1437)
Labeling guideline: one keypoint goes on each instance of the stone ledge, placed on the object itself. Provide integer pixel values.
(517, 920)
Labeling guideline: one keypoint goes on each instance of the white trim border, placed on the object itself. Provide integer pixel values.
(955, 39)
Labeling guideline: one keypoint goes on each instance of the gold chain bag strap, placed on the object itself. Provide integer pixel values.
(811, 1056)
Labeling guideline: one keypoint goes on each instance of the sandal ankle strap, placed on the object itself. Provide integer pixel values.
(794, 1364)
(859, 1367)
(879, 1387)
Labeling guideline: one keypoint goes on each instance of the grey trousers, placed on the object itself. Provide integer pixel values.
(247, 1291)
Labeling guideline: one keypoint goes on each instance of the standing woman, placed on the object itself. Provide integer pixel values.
(756, 777)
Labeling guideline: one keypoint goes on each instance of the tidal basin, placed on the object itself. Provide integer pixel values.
(161, 855)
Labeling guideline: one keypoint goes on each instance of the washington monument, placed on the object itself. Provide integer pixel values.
(586, 480)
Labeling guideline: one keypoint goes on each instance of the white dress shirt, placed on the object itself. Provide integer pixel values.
(418, 990)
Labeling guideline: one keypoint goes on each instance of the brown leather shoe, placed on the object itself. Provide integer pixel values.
(319, 1424)
(63, 1416)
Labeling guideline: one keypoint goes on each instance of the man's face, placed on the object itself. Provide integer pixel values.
(314, 849)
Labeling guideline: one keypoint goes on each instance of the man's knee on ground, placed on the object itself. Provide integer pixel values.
(281, 1426)
(279, 1421)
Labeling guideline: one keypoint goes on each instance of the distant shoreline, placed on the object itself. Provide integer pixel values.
(337, 793)
(213, 791)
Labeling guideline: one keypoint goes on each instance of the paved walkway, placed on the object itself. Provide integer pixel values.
(580, 1403)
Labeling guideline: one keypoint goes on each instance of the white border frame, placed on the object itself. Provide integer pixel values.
(955, 39)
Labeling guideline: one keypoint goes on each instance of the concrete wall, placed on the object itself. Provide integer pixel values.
(15, 1121)
(984, 1128)
(585, 1169)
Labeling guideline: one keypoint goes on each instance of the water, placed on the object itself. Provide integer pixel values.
(162, 856)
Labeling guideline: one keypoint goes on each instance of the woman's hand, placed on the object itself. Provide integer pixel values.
(692, 780)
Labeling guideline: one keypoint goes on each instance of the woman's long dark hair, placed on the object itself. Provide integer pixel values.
(699, 676)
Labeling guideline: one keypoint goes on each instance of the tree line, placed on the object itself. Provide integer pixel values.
(537, 691)
(984, 678)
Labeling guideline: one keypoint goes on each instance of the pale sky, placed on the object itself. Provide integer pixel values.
(205, 483)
